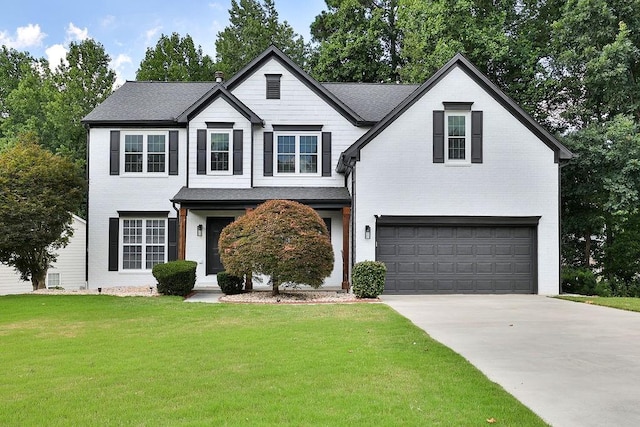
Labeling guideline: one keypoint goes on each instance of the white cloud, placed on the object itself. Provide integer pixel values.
(108, 21)
(76, 34)
(29, 36)
(150, 35)
(55, 54)
(217, 7)
(119, 65)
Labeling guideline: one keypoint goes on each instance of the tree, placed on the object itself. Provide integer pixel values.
(595, 61)
(285, 240)
(176, 59)
(254, 27)
(83, 83)
(601, 196)
(358, 40)
(38, 192)
(13, 67)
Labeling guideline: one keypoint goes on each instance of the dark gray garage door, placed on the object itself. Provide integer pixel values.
(458, 259)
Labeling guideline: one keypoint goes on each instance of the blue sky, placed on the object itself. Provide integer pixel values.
(126, 28)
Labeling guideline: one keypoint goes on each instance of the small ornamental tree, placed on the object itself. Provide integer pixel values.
(38, 192)
(282, 239)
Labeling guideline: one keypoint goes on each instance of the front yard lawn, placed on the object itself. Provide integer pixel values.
(102, 360)
(623, 303)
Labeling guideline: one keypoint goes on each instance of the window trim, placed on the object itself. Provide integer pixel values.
(143, 244)
(229, 133)
(467, 137)
(145, 152)
(297, 135)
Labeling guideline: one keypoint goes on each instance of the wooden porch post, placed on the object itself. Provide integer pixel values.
(346, 215)
(182, 234)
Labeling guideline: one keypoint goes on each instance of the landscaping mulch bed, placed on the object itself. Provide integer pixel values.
(295, 297)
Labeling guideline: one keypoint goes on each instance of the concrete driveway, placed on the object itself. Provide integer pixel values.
(572, 364)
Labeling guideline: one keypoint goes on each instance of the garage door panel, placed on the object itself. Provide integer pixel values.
(458, 259)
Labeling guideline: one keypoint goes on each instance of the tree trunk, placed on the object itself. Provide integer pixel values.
(38, 280)
(276, 287)
(587, 249)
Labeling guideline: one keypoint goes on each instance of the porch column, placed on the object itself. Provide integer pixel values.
(248, 280)
(346, 215)
(182, 234)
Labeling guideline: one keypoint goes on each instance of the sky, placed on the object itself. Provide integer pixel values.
(126, 29)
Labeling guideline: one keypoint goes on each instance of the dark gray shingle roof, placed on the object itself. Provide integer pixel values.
(148, 101)
(310, 195)
(371, 101)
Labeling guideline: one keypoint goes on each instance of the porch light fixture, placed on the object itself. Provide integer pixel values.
(199, 230)
(367, 232)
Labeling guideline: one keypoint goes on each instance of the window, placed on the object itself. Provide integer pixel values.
(457, 128)
(219, 151)
(145, 153)
(143, 243)
(53, 280)
(297, 154)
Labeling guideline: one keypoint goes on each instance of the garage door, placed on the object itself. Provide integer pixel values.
(458, 259)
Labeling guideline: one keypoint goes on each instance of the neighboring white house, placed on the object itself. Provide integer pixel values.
(68, 272)
(449, 183)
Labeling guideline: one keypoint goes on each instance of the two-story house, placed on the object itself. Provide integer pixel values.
(449, 183)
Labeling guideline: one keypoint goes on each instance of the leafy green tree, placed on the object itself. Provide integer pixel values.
(26, 106)
(358, 40)
(285, 240)
(254, 26)
(595, 61)
(83, 83)
(38, 192)
(175, 59)
(601, 196)
(13, 67)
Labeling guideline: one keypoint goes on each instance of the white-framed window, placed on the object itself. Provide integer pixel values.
(219, 152)
(53, 280)
(297, 154)
(458, 136)
(143, 243)
(145, 152)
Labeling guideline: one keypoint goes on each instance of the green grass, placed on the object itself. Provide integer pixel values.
(101, 360)
(622, 303)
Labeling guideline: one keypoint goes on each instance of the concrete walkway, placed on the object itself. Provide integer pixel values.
(573, 364)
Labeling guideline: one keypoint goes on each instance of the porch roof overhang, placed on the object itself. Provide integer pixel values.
(242, 198)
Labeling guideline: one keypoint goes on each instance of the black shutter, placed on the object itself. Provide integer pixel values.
(173, 152)
(237, 152)
(202, 152)
(438, 137)
(476, 137)
(326, 153)
(268, 154)
(114, 158)
(114, 233)
(172, 253)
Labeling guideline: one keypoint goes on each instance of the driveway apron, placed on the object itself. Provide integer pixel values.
(572, 364)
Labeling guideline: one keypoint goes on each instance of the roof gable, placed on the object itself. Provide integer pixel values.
(218, 91)
(276, 54)
(458, 61)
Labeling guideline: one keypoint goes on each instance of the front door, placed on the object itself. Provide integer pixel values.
(214, 227)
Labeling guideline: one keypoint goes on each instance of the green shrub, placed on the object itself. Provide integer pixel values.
(175, 277)
(367, 279)
(578, 281)
(623, 288)
(230, 284)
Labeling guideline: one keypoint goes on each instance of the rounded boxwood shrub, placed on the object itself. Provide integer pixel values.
(367, 279)
(175, 277)
(230, 284)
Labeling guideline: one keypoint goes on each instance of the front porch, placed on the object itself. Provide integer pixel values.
(204, 212)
